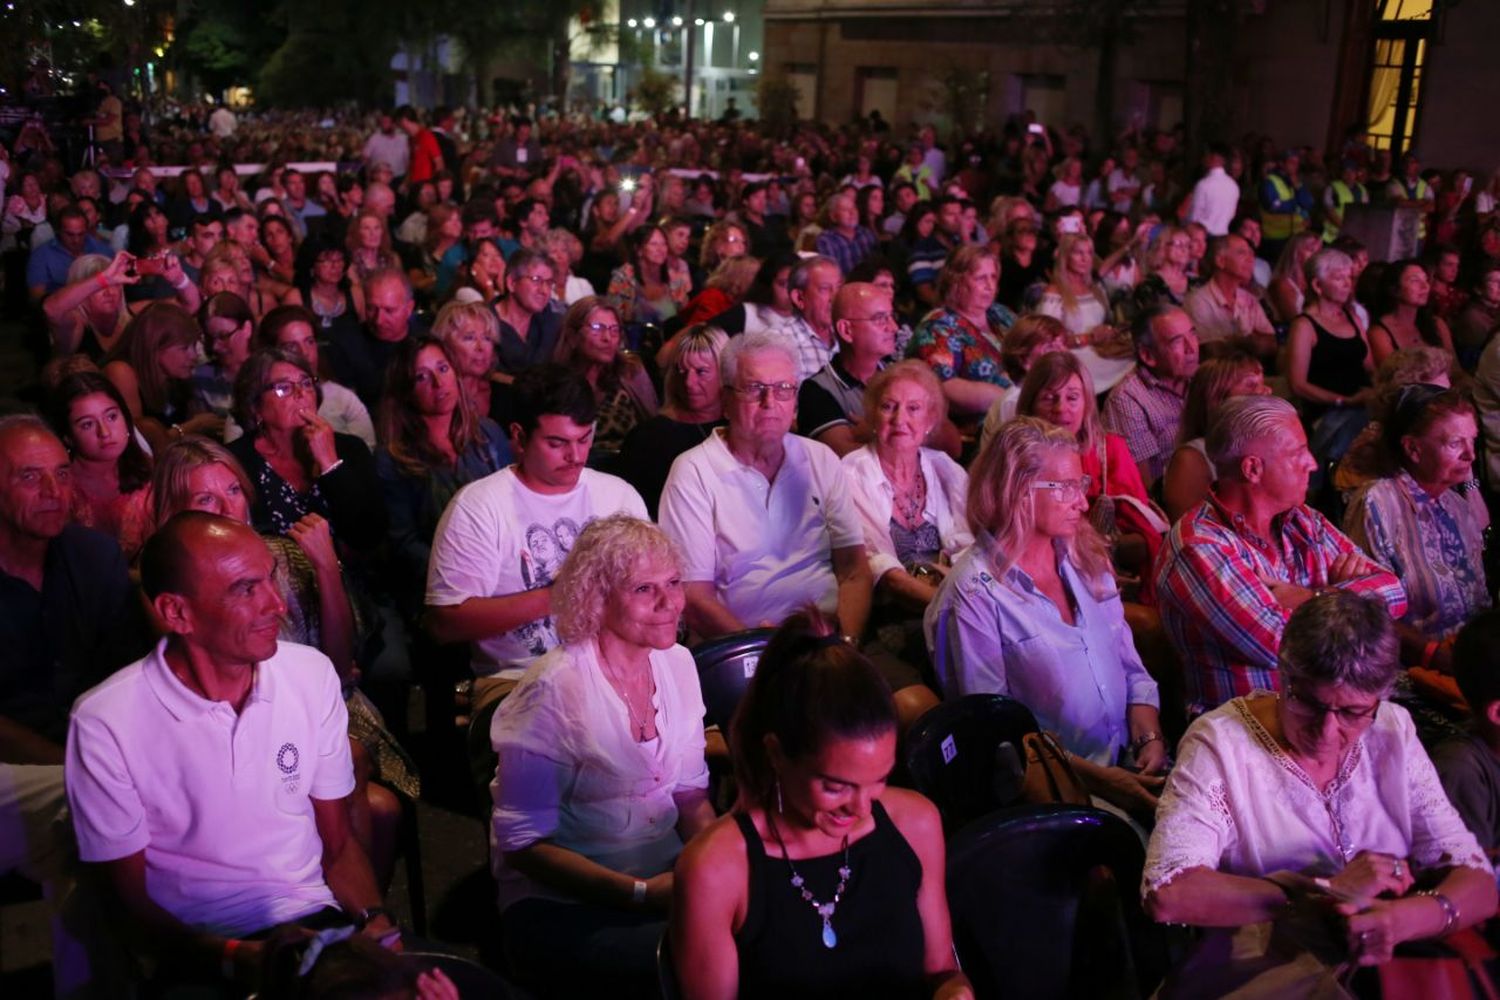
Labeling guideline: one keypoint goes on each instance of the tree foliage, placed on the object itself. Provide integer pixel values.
(776, 99)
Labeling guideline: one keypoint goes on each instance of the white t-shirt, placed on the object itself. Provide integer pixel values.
(498, 537)
(1216, 199)
(766, 547)
(221, 803)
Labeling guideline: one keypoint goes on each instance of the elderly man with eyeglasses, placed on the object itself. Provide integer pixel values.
(529, 325)
(831, 403)
(1232, 571)
(764, 518)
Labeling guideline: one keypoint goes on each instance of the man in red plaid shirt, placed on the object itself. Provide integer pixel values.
(1232, 571)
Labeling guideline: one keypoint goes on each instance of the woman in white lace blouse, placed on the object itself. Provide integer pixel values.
(1315, 802)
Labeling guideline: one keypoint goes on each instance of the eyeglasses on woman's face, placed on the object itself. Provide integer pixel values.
(285, 388)
(1066, 490)
(1310, 709)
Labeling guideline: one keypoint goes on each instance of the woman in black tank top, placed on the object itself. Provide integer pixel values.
(1330, 361)
(823, 882)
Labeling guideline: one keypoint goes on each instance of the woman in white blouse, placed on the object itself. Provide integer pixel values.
(1313, 803)
(601, 776)
(910, 497)
(1077, 299)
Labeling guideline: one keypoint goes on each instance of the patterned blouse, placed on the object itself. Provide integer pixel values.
(956, 348)
(1433, 544)
(630, 297)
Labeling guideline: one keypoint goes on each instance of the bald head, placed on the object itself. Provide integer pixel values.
(172, 556)
(380, 199)
(863, 320)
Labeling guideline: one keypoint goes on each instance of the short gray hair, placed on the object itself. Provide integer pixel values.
(390, 274)
(86, 266)
(1240, 421)
(760, 342)
(1323, 263)
(802, 272)
(1339, 637)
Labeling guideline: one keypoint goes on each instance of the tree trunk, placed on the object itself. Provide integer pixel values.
(561, 63)
(1103, 137)
(1208, 104)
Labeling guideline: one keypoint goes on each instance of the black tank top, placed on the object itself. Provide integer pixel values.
(1337, 363)
(879, 955)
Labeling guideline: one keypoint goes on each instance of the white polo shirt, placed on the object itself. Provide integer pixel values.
(766, 547)
(221, 803)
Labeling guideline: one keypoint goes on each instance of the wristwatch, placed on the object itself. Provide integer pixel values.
(369, 913)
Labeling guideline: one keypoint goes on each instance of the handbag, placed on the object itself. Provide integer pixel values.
(1049, 777)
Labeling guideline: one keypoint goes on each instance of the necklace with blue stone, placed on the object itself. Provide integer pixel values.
(823, 910)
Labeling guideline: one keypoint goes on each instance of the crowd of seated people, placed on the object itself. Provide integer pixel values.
(538, 407)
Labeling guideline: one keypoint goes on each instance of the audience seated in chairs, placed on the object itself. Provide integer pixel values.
(1234, 568)
(601, 775)
(177, 745)
(824, 880)
(1316, 811)
(1145, 408)
(1426, 519)
(694, 407)
(1190, 475)
(1032, 611)
(198, 474)
(592, 344)
(503, 538)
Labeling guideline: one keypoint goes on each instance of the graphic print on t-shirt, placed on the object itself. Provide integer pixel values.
(543, 556)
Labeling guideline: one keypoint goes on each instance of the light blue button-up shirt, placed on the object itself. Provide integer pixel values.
(1004, 636)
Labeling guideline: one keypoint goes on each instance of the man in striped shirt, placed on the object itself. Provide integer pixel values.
(1233, 570)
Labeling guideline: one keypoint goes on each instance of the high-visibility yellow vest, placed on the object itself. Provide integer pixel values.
(1424, 193)
(1281, 225)
(1343, 197)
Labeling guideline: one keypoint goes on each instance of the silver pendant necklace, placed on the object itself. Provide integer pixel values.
(824, 910)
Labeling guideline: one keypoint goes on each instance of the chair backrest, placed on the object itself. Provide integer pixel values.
(1045, 903)
(966, 755)
(482, 757)
(666, 971)
(725, 666)
(471, 978)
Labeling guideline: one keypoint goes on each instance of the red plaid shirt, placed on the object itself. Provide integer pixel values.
(1224, 621)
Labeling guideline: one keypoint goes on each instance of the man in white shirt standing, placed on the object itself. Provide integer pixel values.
(503, 538)
(1216, 196)
(209, 781)
(388, 145)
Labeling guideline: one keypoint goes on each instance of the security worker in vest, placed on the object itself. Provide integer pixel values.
(1346, 190)
(1408, 189)
(1285, 205)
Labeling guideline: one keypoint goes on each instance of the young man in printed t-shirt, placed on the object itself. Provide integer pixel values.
(502, 539)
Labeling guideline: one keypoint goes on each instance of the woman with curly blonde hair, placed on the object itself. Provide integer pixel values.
(601, 777)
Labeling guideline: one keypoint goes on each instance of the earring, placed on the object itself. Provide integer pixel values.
(780, 809)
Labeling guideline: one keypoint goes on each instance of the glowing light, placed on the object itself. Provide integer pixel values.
(698, 21)
(754, 57)
(676, 22)
(729, 16)
(631, 23)
(650, 22)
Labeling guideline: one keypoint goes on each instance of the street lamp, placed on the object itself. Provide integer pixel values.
(631, 23)
(650, 22)
(676, 22)
(729, 16)
(754, 56)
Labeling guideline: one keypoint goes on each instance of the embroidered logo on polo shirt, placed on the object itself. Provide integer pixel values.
(289, 762)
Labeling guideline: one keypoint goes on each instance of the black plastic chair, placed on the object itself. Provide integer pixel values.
(966, 755)
(666, 971)
(471, 978)
(725, 666)
(1045, 903)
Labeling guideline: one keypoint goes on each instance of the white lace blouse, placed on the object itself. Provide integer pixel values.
(1236, 803)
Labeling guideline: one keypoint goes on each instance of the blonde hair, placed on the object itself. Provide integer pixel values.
(733, 276)
(455, 316)
(910, 370)
(1001, 501)
(1060, 271)
(700, 338)
(598, 565)
(169, 480)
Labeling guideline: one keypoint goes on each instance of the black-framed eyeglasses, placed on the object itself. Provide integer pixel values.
(284, 388)
(781, 391)
(613, 328)
(1347, 716)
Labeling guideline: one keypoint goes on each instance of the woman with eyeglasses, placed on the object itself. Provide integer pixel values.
(1059, 390)
(296, 461)
(1031, 611)
(1426, 518)
(1296, 827)
(591, 342)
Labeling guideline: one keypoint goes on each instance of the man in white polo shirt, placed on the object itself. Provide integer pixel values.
(764, 518)
(502, 539)
(209, 781)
